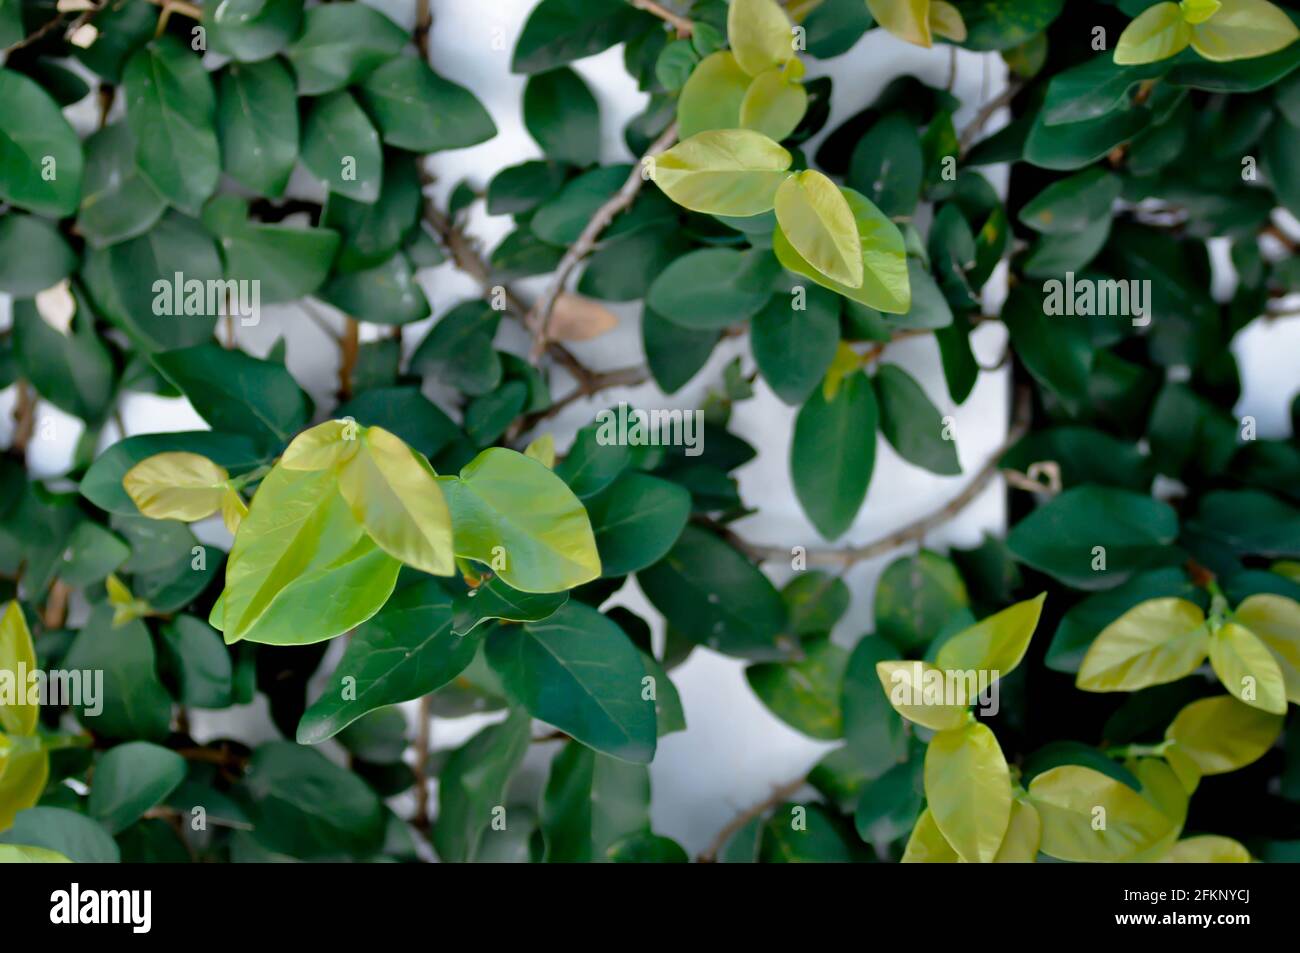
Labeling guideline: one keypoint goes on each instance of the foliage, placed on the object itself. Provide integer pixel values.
(1110, 682)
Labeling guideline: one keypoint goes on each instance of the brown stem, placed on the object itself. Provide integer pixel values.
(779, 793)
(24, 418)
(917, 530)
(56, 605)
(986, 113)
(349, 348)
(539, 319)
(422, 741)
(681, 24)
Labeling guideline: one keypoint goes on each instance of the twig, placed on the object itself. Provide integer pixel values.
(681, 24)
(914, 531)
(41, 31)
(24, 417)
(349, 350)
(986, 113)
(420, 821)
(56, 605)
(539, 319)
(597, 382)
(779, 793)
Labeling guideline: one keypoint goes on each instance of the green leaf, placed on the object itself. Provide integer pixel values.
(805, 694)
(298, 549)
(1003, 24)
(723, 172)
(418, 110)
(1089, 817)
(636, 520)
(578, 671)
(821, 838)
(968, 788)
(472, 784)
(520, 188)
(249, 30)
(887, 166)
(674, 354)
(495, 600)
(283, 262)
(561, 31)
(73, 371)
(514, 515)
(816, 219)
(91, 554)
(1220, 734)
(646, 848)
(1073, 203)
(406, 651)
(405, 412)
(996, 644)
(133, 283)
(458, 349)
(341, 44)
(118, 202)
(591, 803)
(386, 293)
(237, 393)
(33, 255)
(40, 156)
(130, 779)
(1058, 355)
(257, 124)
(199, 658)
(284, 782)
(911, 423)
(560, 219)
(133, 703)
(711, 288)
(562, 116)
(9, 854)
(75, 836)
(711, 594)
(916, 597)
(1062, 537)
(833, 452)
(341, 148)
(170, 107)
(816, 601)
(885, 284)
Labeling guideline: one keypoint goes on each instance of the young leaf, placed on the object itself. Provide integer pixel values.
(1088, 817)
(17, 652)
(995, 645)
(1247, 669)
(760, 35)
(177, 485)
(1158, 33)
(927, 845)
(774, 104)
(916, 690)
(723, 172)
(818, 222)
(968, 789)
(394, 493)
(1157, 641)
(1275, 620)
(1221, 734)
(909, 20)
(1243, 29)
(712, 97)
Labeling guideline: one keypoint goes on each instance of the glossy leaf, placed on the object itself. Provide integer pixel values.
(968, 787)
(1157, 641)
(1221, 734)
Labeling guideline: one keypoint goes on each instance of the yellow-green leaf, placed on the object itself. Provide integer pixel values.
(968, 788)
(23, 775)
(395, 495)
(760, 34)
(1157, 33)
(724, 172)
(1187, 771)
(1287, 568)
(1198, 11)
(1024, 834)
(126, 607)
(542, 450)
(909, 20)
(946, 21)
(1207, 849)
(176, 486)
(816, 219)
(17, 653)
(17, 854)
(233, 509)
(926, 845)
(773, 104)
(885, 285)
(1275, 620)
(918, 691)
(712, 96)
(1242, 29)
(1163, 790)
(322, 446)
(1247, 668)
(1089, 817)
(1221, 734)
(996, 644)
(1157, 641)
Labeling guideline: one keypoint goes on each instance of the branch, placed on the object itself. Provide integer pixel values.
(681, 24)
(779, 793)
(420, 820)
(592, 385)
(986, 113)
(917, 530)
(539, 319)
(349, 350)
(24, 418)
